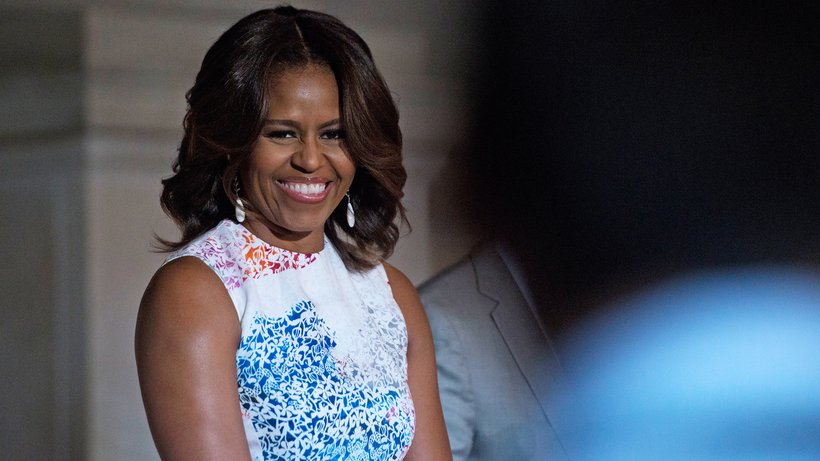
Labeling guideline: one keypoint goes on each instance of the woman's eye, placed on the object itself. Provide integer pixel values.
(333, 135)
(281, 135)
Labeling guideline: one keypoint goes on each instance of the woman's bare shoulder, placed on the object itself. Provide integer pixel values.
(403, 288)
(185, 292)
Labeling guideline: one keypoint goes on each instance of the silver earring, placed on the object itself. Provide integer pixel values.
(351, 216)
(239, 208)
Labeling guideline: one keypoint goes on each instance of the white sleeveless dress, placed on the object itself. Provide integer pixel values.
(322, 363)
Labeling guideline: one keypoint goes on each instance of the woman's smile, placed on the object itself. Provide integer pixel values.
(306, 190)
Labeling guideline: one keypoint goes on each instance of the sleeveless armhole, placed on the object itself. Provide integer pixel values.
(209, 251)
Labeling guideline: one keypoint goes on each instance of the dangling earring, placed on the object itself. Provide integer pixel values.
(239, 208)
(351, 216)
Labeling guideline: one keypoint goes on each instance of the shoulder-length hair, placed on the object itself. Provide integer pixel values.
(227, 107)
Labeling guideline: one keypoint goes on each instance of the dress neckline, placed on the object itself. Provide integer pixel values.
(250, 237)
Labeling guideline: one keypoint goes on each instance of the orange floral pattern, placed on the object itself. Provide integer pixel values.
(262, 259)
(236, 255)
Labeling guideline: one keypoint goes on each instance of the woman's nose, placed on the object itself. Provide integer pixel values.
(309, 157)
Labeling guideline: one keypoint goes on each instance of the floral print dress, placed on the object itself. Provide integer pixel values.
(322, 363)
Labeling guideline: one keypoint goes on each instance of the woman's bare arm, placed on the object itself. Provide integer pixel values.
(430, 442)
(186, 339)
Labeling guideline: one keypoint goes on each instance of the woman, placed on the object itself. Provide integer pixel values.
(275, 330)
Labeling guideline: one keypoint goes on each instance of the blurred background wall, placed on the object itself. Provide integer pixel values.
(91, 106)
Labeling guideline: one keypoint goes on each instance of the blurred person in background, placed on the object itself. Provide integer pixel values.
(654, 168)
(496, 364)
(275, 330)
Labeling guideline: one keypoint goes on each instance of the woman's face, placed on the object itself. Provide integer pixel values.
(298, 171)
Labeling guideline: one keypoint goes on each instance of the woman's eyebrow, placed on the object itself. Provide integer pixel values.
(285, 122)
(335, 121)
(295, 124)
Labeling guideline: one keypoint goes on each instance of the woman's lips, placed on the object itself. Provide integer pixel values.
(307, 190)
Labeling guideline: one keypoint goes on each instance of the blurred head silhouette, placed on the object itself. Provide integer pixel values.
(655, 165)
(620, 142)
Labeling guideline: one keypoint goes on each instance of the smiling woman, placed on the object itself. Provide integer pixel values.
(229, 114)
(298, 172)
(275, 330)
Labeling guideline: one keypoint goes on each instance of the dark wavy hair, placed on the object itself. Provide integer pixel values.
(227, 107)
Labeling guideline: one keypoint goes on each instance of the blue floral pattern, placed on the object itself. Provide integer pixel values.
(302, 404)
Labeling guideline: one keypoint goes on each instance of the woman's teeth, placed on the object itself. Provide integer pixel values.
(305, 189)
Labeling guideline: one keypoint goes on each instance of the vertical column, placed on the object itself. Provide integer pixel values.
(42, 319)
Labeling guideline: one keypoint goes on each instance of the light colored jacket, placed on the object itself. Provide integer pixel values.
(496, 367)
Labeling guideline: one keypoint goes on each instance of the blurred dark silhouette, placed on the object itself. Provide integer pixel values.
(654, 166)
(620, 141)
